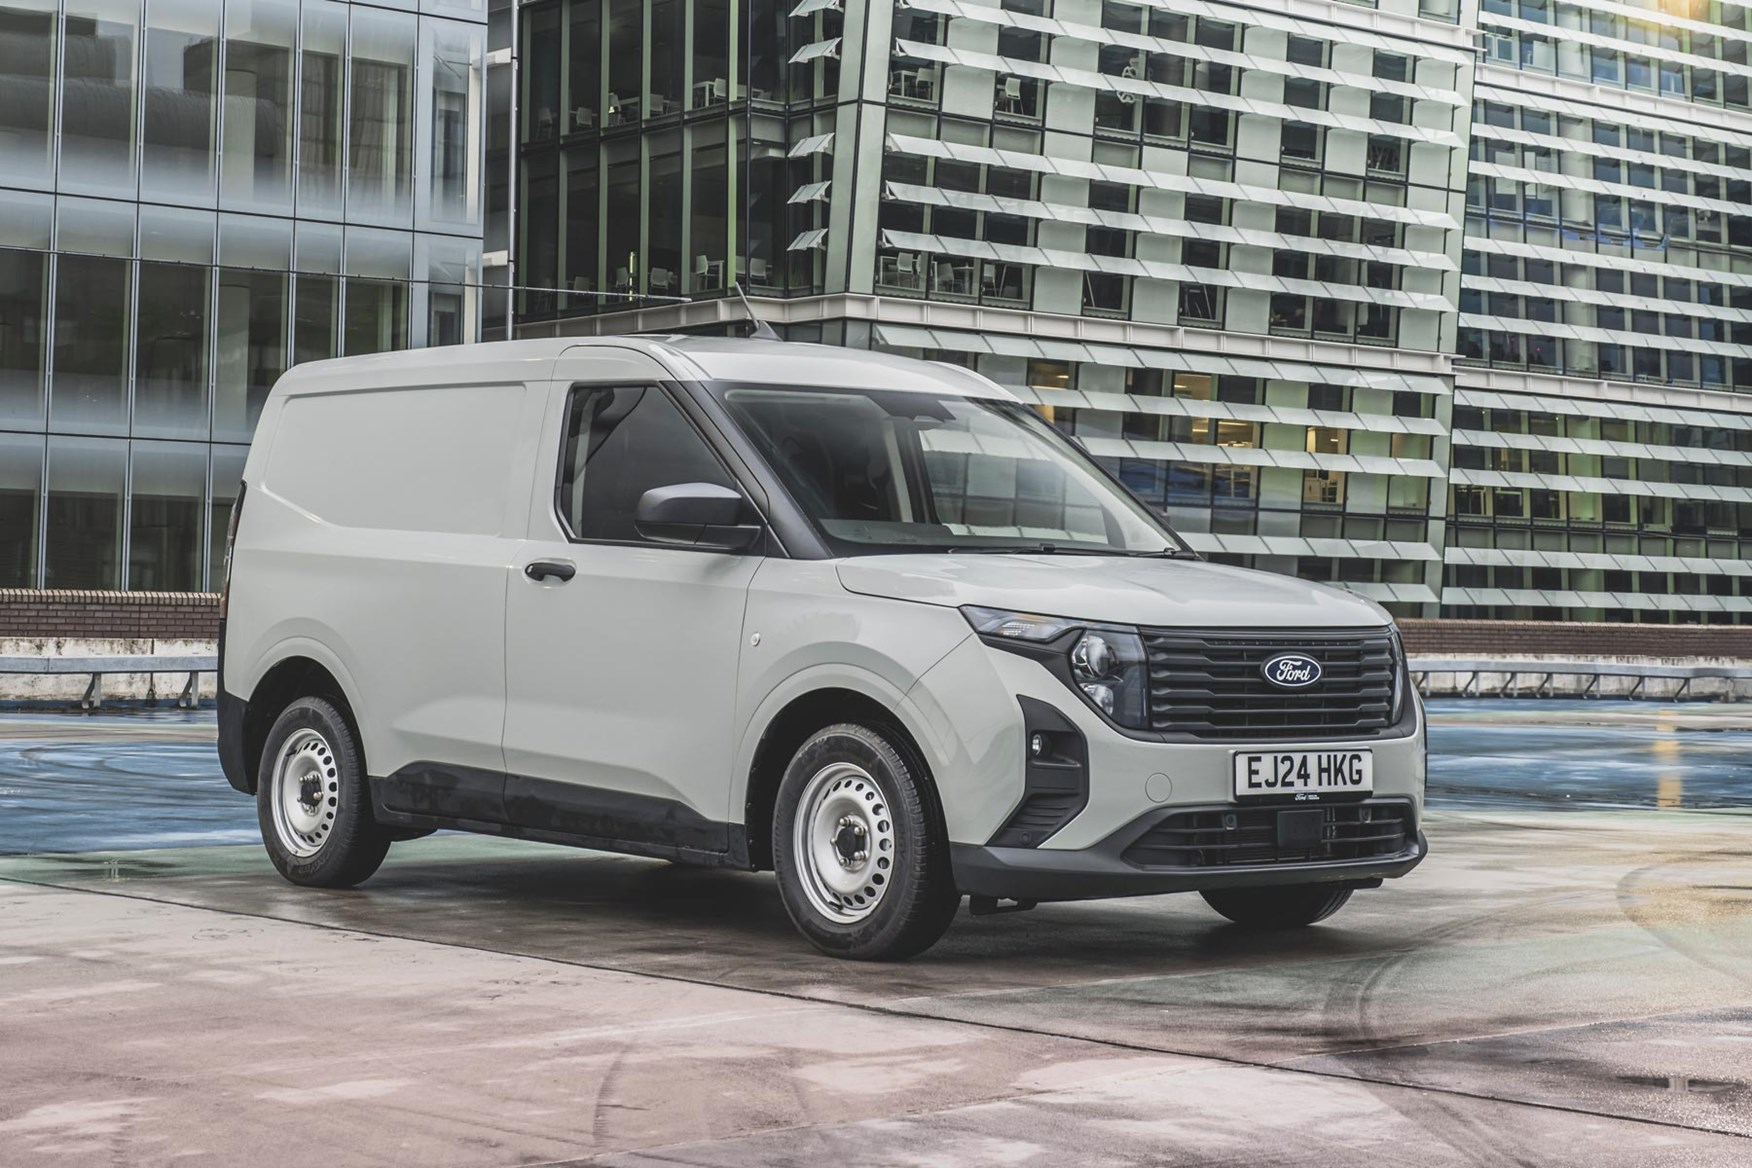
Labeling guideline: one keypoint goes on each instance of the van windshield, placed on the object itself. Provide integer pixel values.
(892, 471)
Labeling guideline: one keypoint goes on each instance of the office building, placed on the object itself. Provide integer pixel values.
(1602, 456)
(1219, 243)
(195, 194)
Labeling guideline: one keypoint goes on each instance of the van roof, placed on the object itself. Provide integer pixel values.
(689, 358)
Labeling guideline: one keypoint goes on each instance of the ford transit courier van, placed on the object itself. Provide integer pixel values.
(868, 622)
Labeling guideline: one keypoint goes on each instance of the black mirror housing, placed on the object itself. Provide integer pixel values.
(696, 515)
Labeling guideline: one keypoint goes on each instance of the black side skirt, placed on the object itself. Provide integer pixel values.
(427, 795)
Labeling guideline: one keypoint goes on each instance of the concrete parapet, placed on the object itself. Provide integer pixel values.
(68, 688)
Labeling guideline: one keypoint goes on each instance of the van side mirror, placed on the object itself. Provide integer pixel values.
(695, 514)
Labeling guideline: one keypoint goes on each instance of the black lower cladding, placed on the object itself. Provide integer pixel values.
(426, 794)
(1215, 837)
(232, 712)
(1055, 786)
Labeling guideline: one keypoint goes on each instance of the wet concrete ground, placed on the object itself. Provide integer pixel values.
(1567, 981)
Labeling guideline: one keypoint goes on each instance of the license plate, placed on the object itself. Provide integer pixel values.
(1303, 774)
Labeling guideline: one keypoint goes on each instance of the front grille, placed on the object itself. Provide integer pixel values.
(1209, 685)
(1226, 837)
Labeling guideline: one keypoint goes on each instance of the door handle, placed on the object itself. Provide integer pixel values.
(542, 569)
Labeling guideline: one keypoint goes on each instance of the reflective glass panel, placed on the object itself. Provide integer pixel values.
(176, 234)
(26, 218)
(380, 116)
(582, 225)
(316, 332)
(256, 165)
(322, 120)
(97, 99)
(584, 61)
(21, 484)
(626, 59)
(665, 215)
(164, 526)
(86, 479)
(455, 54)
(90, 391)
(182, 56)
(24, 329)
(95, 227)
(252, 349)
(170, 360)
(377, 316)
(541, 73)
(452, 269)
(27, 89)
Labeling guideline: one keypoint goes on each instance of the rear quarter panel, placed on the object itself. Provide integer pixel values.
(339, 559)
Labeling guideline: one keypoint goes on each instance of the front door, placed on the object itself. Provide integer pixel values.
(621, 679)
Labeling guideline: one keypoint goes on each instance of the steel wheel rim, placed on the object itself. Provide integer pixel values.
(843, 842)
(306, 791)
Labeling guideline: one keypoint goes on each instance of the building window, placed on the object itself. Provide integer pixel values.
(92, 325)
(86, 480)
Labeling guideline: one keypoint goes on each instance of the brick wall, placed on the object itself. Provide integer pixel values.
(182, 616)
(1485, 638)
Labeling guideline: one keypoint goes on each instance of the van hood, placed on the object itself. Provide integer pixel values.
(1116, 589)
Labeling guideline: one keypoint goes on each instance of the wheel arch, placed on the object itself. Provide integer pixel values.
(292, 677)
(787, 728)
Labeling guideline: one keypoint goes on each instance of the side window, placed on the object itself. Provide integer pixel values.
(621, 442)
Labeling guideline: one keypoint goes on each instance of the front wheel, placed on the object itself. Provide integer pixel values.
(859, 848)
(311, 799)
(1283, 907)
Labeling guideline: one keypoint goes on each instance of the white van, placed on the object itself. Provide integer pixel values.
(865, 621)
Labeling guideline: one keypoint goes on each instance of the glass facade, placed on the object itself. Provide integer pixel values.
(195, 195)
(1602, 456)
(1221, 246)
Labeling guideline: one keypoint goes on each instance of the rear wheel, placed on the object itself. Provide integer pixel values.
(858, 847)
(1290, 907)
(312, 802)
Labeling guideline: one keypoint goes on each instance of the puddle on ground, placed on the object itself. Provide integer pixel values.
(1684, 1084)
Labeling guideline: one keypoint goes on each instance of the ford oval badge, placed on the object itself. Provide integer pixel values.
(1291, 671)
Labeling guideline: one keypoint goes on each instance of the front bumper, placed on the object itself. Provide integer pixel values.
(1102, 870)
(972, 711)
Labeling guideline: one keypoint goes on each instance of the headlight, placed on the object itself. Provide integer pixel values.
(1108, 665)
(1104, 663)
(1015, 626)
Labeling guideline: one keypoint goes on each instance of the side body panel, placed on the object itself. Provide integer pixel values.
(375, 540)
(814, 635)
(621, 681)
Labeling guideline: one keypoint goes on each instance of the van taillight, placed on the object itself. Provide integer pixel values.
(230, 540)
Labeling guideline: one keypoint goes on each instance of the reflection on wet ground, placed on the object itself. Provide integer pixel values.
(1564, 984)
(128, 781)
(74, 783)
(1503, 752)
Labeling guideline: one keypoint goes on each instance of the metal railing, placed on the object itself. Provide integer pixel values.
(97, 667)
(1514, 668)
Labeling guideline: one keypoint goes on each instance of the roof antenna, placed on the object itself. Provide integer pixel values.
(762, 331)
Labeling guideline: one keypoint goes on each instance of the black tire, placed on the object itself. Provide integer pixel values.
(1281, 907)
(917, 898)
(346, 844)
